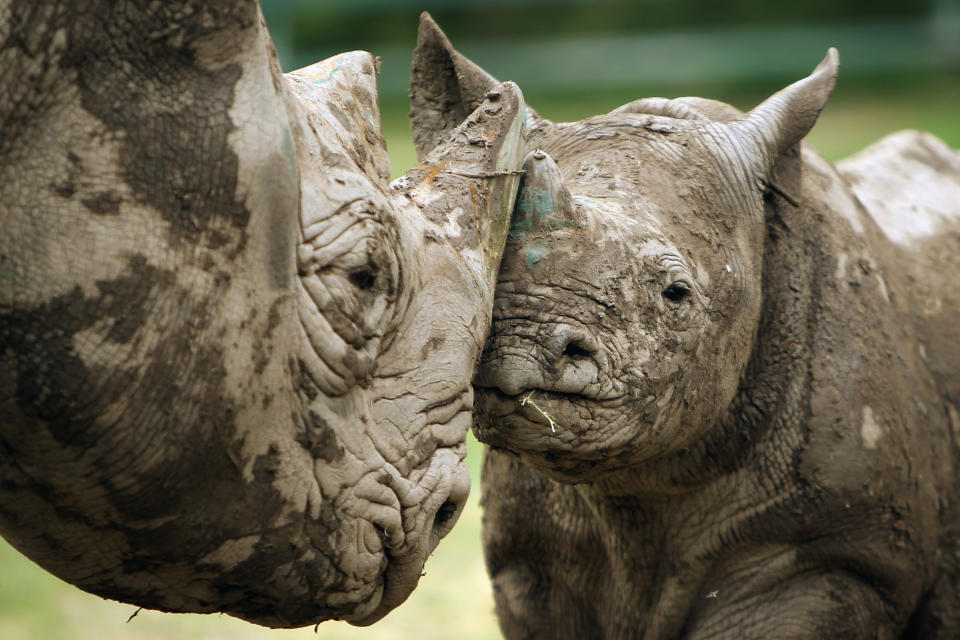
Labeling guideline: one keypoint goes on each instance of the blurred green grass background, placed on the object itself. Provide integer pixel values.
(454, 598)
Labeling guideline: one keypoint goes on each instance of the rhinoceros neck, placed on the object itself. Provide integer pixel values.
(145, 300)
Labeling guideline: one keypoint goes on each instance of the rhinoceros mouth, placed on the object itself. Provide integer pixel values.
(536, 420)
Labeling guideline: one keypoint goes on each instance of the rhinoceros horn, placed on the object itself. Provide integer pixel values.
(543, 201)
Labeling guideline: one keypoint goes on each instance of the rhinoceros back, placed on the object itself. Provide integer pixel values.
(910, 184)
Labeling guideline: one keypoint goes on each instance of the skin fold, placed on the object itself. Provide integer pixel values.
(722, 385)
(235, 362)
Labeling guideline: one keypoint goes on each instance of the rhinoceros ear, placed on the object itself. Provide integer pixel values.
(460, 174)
(445, 87)
(343, 90)
(783, 119)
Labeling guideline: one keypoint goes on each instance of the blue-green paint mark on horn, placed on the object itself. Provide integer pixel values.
(536, 211)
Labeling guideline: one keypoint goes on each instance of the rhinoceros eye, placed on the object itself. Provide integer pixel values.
(349, 267)
(363, 278)
(676, 292)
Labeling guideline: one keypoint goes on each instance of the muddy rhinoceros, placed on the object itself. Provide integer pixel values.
(235, 363)
(721, 390)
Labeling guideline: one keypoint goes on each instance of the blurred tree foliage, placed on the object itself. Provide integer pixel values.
(575, 58)
(369, 24)
(576, 46)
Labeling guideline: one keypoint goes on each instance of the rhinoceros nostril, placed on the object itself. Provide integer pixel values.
(576, 350)
(572, 344)
(446, 511)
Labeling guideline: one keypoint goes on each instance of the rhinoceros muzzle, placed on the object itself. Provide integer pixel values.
(531, 392)
(567, 360)
(430, 512)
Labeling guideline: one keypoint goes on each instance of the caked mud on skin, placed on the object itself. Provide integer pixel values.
(722, 383)
(235, 362)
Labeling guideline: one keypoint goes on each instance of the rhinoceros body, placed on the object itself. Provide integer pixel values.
(235, 362)
(721, 391)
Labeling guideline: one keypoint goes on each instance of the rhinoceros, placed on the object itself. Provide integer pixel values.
(722, 386)
(235, 362)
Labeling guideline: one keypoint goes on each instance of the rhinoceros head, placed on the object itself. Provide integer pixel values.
(394, 294)
(630, 290)
(235, 362)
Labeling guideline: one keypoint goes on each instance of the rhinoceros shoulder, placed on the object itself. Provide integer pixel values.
(909, 181)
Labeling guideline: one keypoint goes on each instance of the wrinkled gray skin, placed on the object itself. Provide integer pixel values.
(751, 359)
(235, 363)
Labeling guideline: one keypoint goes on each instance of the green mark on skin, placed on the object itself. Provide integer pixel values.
(535, 253)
